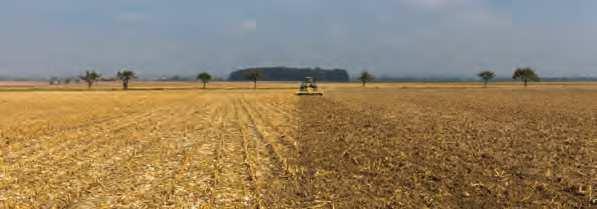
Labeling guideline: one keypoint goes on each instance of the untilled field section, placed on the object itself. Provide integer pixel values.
(144, 150)
(353, 148)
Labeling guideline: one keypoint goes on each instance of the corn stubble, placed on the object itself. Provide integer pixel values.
(376, 148)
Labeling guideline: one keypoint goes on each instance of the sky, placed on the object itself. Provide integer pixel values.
(387, 37)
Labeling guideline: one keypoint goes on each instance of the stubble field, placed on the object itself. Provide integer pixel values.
(385, 146)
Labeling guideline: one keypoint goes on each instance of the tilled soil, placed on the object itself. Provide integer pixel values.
(434, 149)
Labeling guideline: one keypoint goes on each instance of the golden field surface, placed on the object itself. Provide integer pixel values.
(402, 145)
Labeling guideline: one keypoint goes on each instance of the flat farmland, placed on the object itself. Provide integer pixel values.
(385, 146)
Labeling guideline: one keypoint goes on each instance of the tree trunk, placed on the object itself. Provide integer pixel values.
(125, 85)
(525, 82)
(204, 83)
(364, 83)
(89, 83)
(254, 84)
(485, 84)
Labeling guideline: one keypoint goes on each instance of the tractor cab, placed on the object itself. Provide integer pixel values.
(309, 88)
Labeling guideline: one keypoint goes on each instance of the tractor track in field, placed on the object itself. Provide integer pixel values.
(255, 117)
(288, 129)
(259, 136)
(191, 184)
(193, 176)
(250, 156)
(287, 141)
(210, 158)
(235, 180)
(273, 174)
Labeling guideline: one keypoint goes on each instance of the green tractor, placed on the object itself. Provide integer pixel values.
(309, 88)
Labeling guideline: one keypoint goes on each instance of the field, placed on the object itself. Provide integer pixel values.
(385, 146)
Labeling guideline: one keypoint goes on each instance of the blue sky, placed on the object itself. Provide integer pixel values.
(388, 37)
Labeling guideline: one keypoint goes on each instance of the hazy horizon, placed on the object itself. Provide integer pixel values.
(388, 37)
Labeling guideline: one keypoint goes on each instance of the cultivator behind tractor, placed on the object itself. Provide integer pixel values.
(309, 88)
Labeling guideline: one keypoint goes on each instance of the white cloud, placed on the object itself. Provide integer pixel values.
(249, 25)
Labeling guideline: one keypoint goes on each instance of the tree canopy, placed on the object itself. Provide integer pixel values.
(366, 77)
(293, 74)
(90, 77)
(525, 75)
(204, 77)
(486, 75)
(125, 76)
(254, 75)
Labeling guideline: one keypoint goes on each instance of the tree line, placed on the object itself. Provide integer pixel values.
(124, 75)
(91, 77)
(525, 75)
(292, 74)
